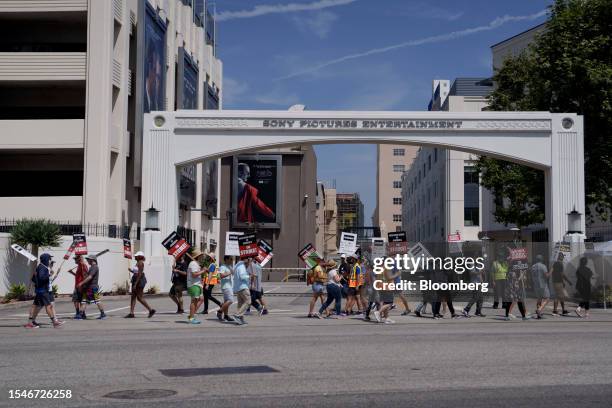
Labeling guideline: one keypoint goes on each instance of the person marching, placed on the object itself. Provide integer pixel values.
(584, 274)
(242, 281)
(209, 280)
(334, 292)
(227, 285)
(256, 289)
(194, 285)
(500, 272)
(43, 295)
(353, 283)
(79, 272)
(540, 275)
(318, 277)
(89, 286)
(558, 281)
(386, 300)
(138, 284)
(179, 283)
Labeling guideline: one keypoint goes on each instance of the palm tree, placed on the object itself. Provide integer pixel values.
(35, 233)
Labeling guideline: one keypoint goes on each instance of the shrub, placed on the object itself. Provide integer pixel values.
(17, 291)
(55, 290)
(122, 288)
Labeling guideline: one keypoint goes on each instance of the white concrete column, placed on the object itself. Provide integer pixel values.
(564, 181)
(98, 110)
(159, 175)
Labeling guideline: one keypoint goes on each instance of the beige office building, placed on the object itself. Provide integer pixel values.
(73, 86)
(392, 161)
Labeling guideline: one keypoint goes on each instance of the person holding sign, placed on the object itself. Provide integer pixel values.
(242, 281)
(90, 288)
(43, 294)
(79, 272)
(138, 284)
(179, 282)
(225, 274)
(318, 277)
(209, 280)
(194, 285)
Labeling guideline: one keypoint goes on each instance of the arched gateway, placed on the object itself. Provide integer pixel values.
(550, 142)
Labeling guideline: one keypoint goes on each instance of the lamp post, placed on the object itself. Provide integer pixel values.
(574, 222)
(152, 219)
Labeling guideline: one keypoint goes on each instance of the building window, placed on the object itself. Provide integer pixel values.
(397, 200)
(424, 170)
(397, 217)
(397, 184)
(471, 201)
(435, 155)
(399, 168)
(399, 152)
(398, 228)
(429, 162)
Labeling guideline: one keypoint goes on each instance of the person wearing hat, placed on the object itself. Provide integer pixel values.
(89, 286)
(79, 272)
(43, 295)
(139, 281)
(209, 280)
(319, 279)
(194, 284)
(334, 292)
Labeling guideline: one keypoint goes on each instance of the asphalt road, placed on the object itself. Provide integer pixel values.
(285, 359)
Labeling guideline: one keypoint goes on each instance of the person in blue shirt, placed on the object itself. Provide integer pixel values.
(43, 292)
(242, 281)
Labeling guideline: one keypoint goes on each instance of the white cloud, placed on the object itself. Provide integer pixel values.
(278, 97)
(263, 9)
(233, 90)
(499, 21)
(319, 24)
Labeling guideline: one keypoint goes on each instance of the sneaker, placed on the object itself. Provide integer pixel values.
(512, 316)
(193, 320)
(417, 313)
(343, 314)
(455, 316)
(480, 314)
(129, 316)
(151, 313)
(180, 311)
(367, 318)
(229, 319)
(32, 325)
(438, 317)
(527, 318)
(101, 317)
(389, 321)
(77, 317)
(204, 311)
(265, 312)
(555, 313)
(539, 316)
(310, 315)
(577, 311)
(260, 311)
(83, 316)
(57, 323)
(507, 318)
(318, 315)
(405, 312)
(220, 315)
(238, 320)
(466, 313)
(377, 316)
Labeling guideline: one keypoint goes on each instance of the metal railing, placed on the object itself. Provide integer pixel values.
(93, 230)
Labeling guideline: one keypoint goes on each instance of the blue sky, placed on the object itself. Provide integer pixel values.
(357, 55)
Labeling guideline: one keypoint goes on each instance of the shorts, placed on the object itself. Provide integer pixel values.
(543, 293)
(352, 292)
(256, 294)
(560, 292)
(177, 289)
(77, 296)
(195, 291)
(92, 295)
(318, 287)
(43, 299)
(386, 297)
(228, 295)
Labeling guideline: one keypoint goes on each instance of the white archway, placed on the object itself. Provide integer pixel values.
(550, 142)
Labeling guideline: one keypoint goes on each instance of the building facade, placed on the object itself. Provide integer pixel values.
(441, 191)
(391, 162)
(350, 212)
(75, 79)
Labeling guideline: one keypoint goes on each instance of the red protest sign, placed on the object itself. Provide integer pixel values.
(176, 245)
(80, 244)
(69, 251)
(454, 237)
(264, 252)
(247, 245)
(127, 249)
(517, 254)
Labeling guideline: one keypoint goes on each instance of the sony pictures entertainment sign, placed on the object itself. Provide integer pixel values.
(360, 124)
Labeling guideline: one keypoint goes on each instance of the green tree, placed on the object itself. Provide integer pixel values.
(568, 68)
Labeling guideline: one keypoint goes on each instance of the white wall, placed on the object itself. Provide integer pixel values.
(113, 266)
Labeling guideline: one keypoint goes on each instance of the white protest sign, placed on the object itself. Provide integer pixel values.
(231, 243)
(348, 243)
(23, 252)
(379, 248)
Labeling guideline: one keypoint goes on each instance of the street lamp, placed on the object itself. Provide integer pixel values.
(152, 219)
(574, 222)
